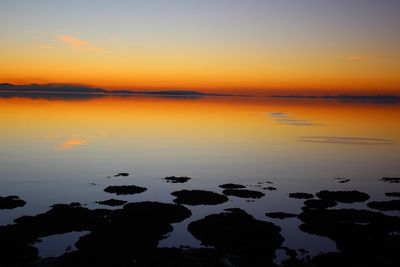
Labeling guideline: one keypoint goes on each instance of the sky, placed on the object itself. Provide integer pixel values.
(211, 45)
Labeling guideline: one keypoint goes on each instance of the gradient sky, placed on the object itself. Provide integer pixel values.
(214, 45)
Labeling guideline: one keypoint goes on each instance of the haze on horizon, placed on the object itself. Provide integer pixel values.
(210, 45)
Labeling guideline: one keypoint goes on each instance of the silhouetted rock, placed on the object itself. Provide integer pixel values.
(280, 215)
(11, 202)
(270, 188)
(232, 186)
(125, 189)
(250, 242)
(393, 194)
(198, 197)
(112, 202)
(243, 193)
(301, 195)
(392, 180)
(341, 180)
(175, 179)
(343, 196)
(319, 203)
(385, 205)
(121, 174)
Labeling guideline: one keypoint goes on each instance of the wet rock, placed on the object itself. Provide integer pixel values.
(232, 186)
(250, 242)
(300, 195)
(343, 196)
(243, 193)
(112, 202)
(341, 180)
(365, 237)
(198, 197)
(11, 202)
(319, 203)
(385, 205)
(393, 194)
(125, 189)
(175, 179)
(121, 174)
(280, 215)
(392, 180)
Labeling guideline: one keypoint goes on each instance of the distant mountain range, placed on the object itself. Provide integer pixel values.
(367, 98)
(76, 89)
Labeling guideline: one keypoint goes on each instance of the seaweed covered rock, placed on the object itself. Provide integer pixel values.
(198, 197)
(343, 196)
(243, 193)
(11, 202)
(250, 241)
(125, 189)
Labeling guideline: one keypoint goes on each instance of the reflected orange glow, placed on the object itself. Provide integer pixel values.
(69, 144)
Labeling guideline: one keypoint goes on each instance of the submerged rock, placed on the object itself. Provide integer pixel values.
(343, 196)
(280, 215)
(300, 195)
(319, 203)
(198, 197)
(385, 205)
(125, 189)
(11, 202)
(392, 180)
(341, 180)
(175, 179)
(270, 188)
(250, 242)
(232, 186)
(243, 193)
(112, 202)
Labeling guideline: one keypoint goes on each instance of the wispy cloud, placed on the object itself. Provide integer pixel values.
(46, 46)
(285, 118)
(75, 42)
(345, 140)
(71, 143)
(357, 58)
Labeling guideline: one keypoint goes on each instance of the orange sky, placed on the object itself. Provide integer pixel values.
(254, 47)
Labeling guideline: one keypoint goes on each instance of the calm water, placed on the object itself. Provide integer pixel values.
(63, 149)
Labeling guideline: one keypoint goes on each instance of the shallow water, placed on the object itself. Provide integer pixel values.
(63, 150)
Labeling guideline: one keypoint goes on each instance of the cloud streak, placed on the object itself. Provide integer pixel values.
(345, 140)
(78, 43)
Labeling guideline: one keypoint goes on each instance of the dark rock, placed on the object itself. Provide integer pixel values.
(319, 203)
(341, 180)
(112, 202)
(280, 215)
(121, 174)
(243, 193)
(393, 194)
(299, 195)
(11, 202)
(198, 197)
(250, 242)
(125, 189)
(232, 186)
(385, 205)
(174, 179)
(343, 196)
(270, 188)
(392, 180)
(363, 236)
